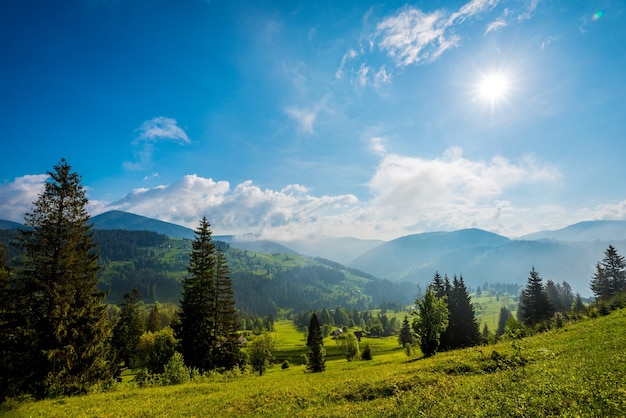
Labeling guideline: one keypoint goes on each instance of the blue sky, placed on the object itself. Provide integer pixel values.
(305, 118)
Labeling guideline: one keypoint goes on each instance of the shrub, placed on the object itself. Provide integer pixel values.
(367, 352)
(285, 365)
(175, 370)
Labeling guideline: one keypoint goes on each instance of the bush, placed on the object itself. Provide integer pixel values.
(175, 370)
(285, 365)
(367, 352)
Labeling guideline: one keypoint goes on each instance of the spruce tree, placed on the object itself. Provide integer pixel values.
(67, 330)
(195, 329)
(610, 277)
(154, 323)
(226, 319)
(463, 329)
(534, 306)
(406, 335)
(129, 328)
(315, 343)
(505, 314)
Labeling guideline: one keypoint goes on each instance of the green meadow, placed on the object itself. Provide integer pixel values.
(576, 370)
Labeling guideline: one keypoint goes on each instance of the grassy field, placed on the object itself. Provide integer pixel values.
(577, 370)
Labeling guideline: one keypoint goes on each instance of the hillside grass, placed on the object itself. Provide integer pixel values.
(577, 370)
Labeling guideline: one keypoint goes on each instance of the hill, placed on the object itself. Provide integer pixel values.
(590, 231)
(400, 257)
(123, 220)
(4, 224)
(577, 370)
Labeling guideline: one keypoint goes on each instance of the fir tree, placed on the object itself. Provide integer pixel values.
(226, 319)
(129, 328)
(610, 277)
(10, 365)
(207, 327)
(315, 343)
(505, 314)
(406, 335)
(153, 322)
(534, 306)
(463, 329)
(195, 329)
(67, 327)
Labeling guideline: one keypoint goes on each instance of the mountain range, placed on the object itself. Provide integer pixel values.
(568, 254)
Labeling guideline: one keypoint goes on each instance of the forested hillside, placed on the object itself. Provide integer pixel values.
(155, 265)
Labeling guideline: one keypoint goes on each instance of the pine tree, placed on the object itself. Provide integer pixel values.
(10, 365)
(610, 277)
(463, 329)
(67, 326)
(505, 314)
(226, 319)
(195, 329)
(534, 306)
(406, 335)
(315, 343)
(154, 323)
(129, 328)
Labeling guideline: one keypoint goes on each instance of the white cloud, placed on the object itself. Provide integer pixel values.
(376, 144)
(16, 197)
(495, 25)
(152, 131)
(528, 11)
(304, 117)
(351, 54)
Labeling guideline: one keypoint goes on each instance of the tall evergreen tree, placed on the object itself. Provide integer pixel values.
(207, 327)
(610, 277)
(10, 365)
(315, 343)
(154, 322)
(534, 305)
(505, 314)
(406, 335)
(67, 324)
(226, 319)
(463, 329)
(129, 328)
(195, 329)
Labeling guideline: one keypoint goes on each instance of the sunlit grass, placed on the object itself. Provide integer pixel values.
(578, 370)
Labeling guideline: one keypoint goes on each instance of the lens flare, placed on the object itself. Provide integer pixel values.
(598, 15)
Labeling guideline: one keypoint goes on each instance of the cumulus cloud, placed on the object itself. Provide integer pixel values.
(159, 129)
(16, 197)
(244, 209)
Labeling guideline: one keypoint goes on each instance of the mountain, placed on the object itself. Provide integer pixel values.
(589, 231)
(123, 220)
(342, 250)
(10, 225)
(397, 258)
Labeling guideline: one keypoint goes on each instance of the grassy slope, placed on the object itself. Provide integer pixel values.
(577, 370)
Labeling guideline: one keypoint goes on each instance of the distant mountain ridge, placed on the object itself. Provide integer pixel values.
(117, 219)
(587, 231)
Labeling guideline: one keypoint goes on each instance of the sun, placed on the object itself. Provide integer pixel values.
(493, 87)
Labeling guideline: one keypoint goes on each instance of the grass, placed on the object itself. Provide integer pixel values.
(577, 370)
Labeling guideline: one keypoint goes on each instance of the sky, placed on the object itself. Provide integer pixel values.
(300, 119)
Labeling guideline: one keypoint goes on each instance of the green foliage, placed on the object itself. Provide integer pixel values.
(431, 321)
(315, 343)
(285, 364)
(64, 339)
(610, 277)
(549, 374)
(175, 372)
(154, 350)
(207, 321)
(348, 345)
(129, 327)
(367, 352)
(406, 335)
(534, 306)
(260, 353)
(154, 321)
(504, 316)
